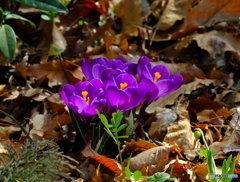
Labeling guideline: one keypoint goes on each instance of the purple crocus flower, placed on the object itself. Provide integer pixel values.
(85, 97)
(123, 92)
(158, 79)
(101, 66)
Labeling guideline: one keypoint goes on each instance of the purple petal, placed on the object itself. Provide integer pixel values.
(132, 93)
(117, 98)
(97, 70)
(97, 84)
(108, 80)
(141, 96)
(90, 110)
(144, 62)
(163, 70)
(144, 73)
(163, 87)
(115, 64)
(122, 60)
(66, 93)
(126, 78)
(109, 72)
(153, 91)
(86, 69)
(101, 61)
(78, 104)
(80, 86)
(176, 82)
(131, 68)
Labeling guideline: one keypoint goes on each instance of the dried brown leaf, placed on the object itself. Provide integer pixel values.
(44, 125)
(180, 132)
(158, 128)
(173, 11)
(230, 142)
(152, 156)
(51, 37)
(216, 74)
(58, 72)
(171, 98)
(215, 42)
(203, 104)
(184, 69)
(208, 115)
(208, 12)
(130, 13)
(134, 147)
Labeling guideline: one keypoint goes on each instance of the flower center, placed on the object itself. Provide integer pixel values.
(123, 85)
(84, 95)
(157, 75)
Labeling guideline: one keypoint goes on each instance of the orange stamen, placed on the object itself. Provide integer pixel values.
(123, 85)
(84, 95)
(157, 75)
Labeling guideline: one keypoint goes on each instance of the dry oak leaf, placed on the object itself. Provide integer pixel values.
(184, 69)
(180, 132)
(151, 156)
(58, 72)
(208, 115)
(202, 104)
(51, 38)
(230, 141)
(130, 13)
(178, 168)
(44, 125)
(171, 98)
(208, 12)
(134, 147)
(227, 96)
(215, 42)
(174, 11)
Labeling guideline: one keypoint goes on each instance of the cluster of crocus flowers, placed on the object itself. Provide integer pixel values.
(113, 85)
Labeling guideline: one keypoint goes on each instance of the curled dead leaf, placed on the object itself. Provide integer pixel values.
(151, 156)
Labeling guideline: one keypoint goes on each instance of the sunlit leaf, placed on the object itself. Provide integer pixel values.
(109, 163)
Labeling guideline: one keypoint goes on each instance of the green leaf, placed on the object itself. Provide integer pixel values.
(81, 22)
(122, 137)
(15, 16)
(56, 20)
(116, 119)
(103, 119)
(130, 124)
(160, 176)
(203, 152)
(57, 50)
(45, 17)
(46, 5)
(137, 175)
(8, 41)
(224, 167)
(121, 127)
(128, 172)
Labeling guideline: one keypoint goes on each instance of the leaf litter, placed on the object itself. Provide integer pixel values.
(201, 46)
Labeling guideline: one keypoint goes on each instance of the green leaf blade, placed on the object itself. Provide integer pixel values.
(46, 5)
(8, 41)
(15, 16)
